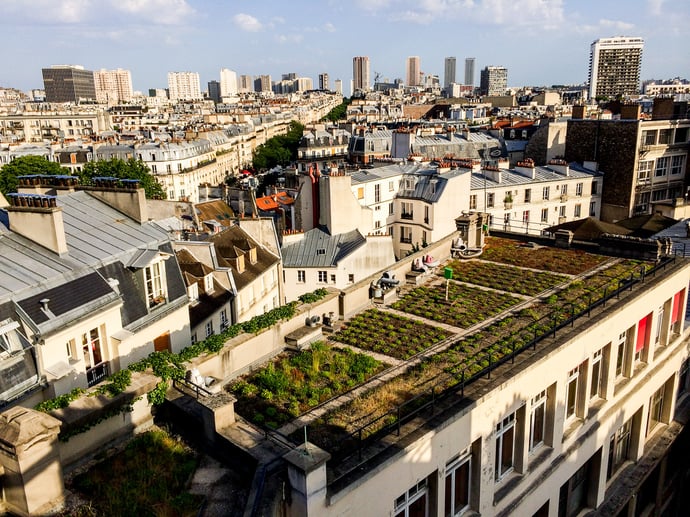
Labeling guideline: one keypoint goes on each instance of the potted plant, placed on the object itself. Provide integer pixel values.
(508, 201)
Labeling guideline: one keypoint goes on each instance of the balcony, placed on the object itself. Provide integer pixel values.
(97, 373)
(407, 215)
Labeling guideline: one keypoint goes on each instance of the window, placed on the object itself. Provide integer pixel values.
(223, 318)
(301, 276)
(458, 478)
(578, 189)
(595, 382)
(490, 200)
(406, 234)
(473, 202)
(564, 190)
(577, 211)
(351, 278)
(644, 170)
(208, 283)
(426, 214)
(155, 292)
(677, 164)
(661, 165)
(649, 137)
(407, 212)
(91, 348)
(571, 393)
(171, 194)
(561, 211)
(193, 338)
(537, 421)
(154, 168)
(665, 136)
(544, 215)
(659, 326)
(390, 208)
(677, 310)
(377, 193)
(71, 349)
(377, 224)
(360, 193)
(643, 335)
(620, 355)
(656, 409)
(619, 448)
(505, 445)
(681, 135)
(528, 195)
(209, 328)
(323, 277)
(413, 503)
(525, 216)
(573, 494)
(545, 193)
(332, 279)
(390, 186)
(592, 208)
(595, 188)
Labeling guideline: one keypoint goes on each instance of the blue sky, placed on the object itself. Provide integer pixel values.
(541, 42)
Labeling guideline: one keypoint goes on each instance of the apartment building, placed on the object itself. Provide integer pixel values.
(53, 125)
(493, 81)
(89, 281)
(68, 83)
(413, 71)
(361, 74)
(529, 198)
(614, 67)
(113, 86)
(184, 86)
(645, 161)
(322, 147)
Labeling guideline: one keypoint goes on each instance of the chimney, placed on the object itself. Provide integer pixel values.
(631, 111)
(39, 219)
(579, 112)
(123, 195)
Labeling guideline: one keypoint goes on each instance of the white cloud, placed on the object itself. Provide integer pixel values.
(54, 11)
(289, 38)
(606, 26)
(247, 22)
(165, 12)
(329, 27)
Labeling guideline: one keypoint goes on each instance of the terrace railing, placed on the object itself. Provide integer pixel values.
(481, 365)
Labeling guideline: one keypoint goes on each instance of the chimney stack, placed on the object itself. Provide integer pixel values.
(38, 218)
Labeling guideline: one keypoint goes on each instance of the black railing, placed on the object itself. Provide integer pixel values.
(407, 215)
(97, 373)
(184, 386)
(481, 365)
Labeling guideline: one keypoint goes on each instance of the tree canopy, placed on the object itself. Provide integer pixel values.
(25, 166)
(280, 149)
(339, 112)
(117, 168)
(123, 169)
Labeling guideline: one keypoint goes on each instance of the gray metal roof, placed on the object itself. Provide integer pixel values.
(387, 171)
(320, 249)
(541, 174)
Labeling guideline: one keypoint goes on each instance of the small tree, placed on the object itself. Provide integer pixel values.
(129, 169)
(24, 166)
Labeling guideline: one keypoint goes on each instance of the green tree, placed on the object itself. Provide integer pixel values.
(279, 150)
(24, 166)
(339, 112)
(129, 169)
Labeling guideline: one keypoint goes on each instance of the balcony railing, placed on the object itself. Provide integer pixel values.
(407, 215)
(97, 373)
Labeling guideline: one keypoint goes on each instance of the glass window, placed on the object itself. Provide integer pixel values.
(301, 276)
(155, 293)
(473, 202)
(594, 188)
(656, 408)
(577, 211)
(457, 493)
(595, 381)
(209, 328)
(561, 211)
(360, 193)
(490, 200)
(677, 163)
(662, 164)
(619, 447)
(649, 137)
(323, 277)
(545, 193)
(537, 421)
(528, 195)
(620, 355)
(578, 189)
(413, 503)
(571, 392)
(505, 445)
(377, 193)
(406, 234)
(544, 215)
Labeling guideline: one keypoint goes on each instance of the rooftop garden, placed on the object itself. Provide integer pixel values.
(294, 383)
(556, 260)
(389, 334)
(505, 278)
(466, 306)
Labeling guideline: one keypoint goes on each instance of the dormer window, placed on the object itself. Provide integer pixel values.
(321, 251)
(154, 276)
(193, 293)
(252, 255)
(240, 263)
(10, 338)
(208, 283)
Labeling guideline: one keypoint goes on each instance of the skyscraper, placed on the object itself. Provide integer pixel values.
(614, 67)
(339, 86)
(246, 83)
(413, 71)
(68, 83)
(493, 80)
(324, 82)
(214, 91)
(360, 73)
(184, 86)
(262, 83)
(228, 82)
(113, 86)
(449, 72)
(469, 71)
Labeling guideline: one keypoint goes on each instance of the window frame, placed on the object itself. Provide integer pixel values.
(505, 428)
(462, 461)
(537, 412)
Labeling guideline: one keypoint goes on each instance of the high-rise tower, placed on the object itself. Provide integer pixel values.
(360, 73)
(449, 72)
(68, 83)
(614, 67)
(413, 71)
(493, 80)
(469, 71)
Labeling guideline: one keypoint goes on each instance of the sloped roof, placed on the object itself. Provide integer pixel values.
(217, 210)
(646, 225)
(268, 203)
(320, 249)
(589, 229)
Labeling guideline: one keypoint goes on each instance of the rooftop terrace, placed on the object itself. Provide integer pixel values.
(397, 370)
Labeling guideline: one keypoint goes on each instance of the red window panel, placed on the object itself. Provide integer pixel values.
(643, 328)
(677, 308)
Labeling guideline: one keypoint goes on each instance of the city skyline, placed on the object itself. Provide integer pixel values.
(153, 37)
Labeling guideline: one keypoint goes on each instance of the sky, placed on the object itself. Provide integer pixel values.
(541, 42)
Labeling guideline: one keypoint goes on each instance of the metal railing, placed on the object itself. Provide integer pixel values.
(97, 373)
